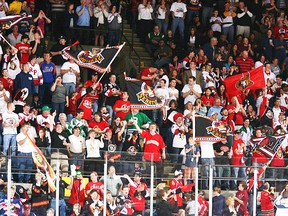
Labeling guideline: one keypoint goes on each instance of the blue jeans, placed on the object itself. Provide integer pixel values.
(76, 159)
(238, 172)
(70, 87)
(178, 22)
(95, 106)
(9, 140)
(62, 206)
(207, 13)
(59, 108)
(36, 89)
(111, 113)
(205, 162)
(159, 63)
(229, 32)
(25, 166)
(113, 37)
(45, 93)
(190, 16)
(163, 26)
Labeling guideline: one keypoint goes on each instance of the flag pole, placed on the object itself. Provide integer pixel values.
(6, 41)
(57, 187)
(196, 179)
(9, 184)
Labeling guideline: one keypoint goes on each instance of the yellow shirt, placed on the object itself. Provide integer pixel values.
(15, 7)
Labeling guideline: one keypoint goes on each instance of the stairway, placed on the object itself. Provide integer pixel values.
(145, 59)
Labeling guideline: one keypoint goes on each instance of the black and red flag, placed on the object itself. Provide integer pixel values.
(141, 95)
(251, 80)
(98, 59)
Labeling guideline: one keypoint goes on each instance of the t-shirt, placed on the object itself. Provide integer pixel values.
(26, 146)
(191, 97)
(24, 51)
(59, 95)
(237, 158)
(70, 77)
(77, 143)
(10, 118)
(3, 103)
(221, 159)
(153, 145)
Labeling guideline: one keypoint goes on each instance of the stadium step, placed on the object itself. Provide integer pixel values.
(145, 59)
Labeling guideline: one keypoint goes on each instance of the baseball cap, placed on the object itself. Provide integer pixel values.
(62, 37)
(46, 108)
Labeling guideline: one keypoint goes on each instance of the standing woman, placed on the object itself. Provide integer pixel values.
(70, 22)
(145, 21)
(101, 13)
(162, 11)
(59, 97)
(266, 200)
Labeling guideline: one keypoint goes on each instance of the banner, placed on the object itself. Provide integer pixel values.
(269, 145)
(99, 59)
(42, 163)
(7, 22)
(251, 80)
(141, 96)
(210, 131)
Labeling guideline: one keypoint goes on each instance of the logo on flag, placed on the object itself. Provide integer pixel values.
(245, 82)
(88, 57)
(141, 95)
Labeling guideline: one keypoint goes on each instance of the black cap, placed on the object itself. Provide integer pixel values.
(62, 37)
(237, 132)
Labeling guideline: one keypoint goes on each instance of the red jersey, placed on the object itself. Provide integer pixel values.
(204, 206)
(146, 72)
(238, 116)
(102, 125)
(242, 195)
(98, 186)
(77, 194)
(24, 52)
(278, 160)
(237, 159)
(245, 65)
(153, 146)
(175, 184)
(86, 105)
(206, 100)
(137, 198)
(94, 95)
(122, 104)
(8, 84)
(266, 200)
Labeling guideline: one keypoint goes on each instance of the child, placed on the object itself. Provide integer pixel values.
(192, 156)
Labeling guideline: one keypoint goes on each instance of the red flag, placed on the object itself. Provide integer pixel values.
(251, 80)
(187, 188)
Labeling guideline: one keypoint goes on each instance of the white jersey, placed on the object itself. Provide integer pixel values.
(70, 77)
(36, 73)
(13, 66)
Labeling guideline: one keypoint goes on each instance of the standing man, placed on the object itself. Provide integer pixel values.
(25, 80)
(48, 69)
(244, 17)
(84, 12)
(191, 91)
(56, 52)
(112, 93)
(24, 149)
(178, 10)
(70, 71)
(176, 184)
(10, 124)
(138, 192)
(154, 150)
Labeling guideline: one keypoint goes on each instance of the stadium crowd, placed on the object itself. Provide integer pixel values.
(195, 46)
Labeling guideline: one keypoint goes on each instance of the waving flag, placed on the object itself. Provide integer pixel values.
(141, 96)
(98, 59)
(251, 80)
(9, 21)
(42, 163)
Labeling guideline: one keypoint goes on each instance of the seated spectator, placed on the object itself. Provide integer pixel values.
(162, 55)
(154, 39)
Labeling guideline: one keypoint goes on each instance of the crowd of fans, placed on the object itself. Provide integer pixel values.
(196, 45)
